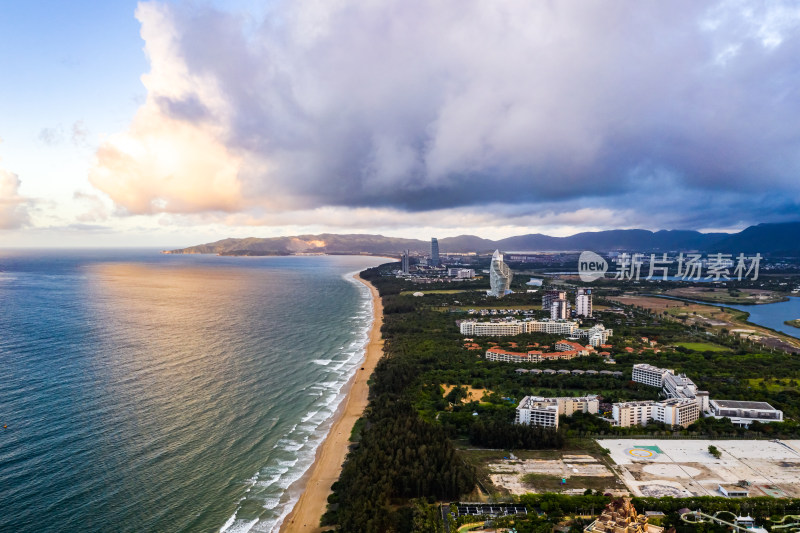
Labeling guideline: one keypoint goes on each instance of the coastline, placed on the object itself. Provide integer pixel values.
(312, 504)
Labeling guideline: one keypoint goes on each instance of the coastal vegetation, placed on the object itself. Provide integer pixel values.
(408, 450)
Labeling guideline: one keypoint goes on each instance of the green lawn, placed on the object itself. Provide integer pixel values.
(703, 346)
(549, 483)
(433, 291)
(774, 385)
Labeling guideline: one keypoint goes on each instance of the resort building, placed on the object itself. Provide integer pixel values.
(583, 302)
(674, 412)
(571, 346)
(555, 327)
(499, 329)
(540, 411)
(516, 327)
(499, 276)
(649, 375)
(596, 335)
(745, 413)
(498, 354)
(672, 385)
(620, 516)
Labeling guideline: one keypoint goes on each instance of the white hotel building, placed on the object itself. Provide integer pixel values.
(649, 375)
(516, 327)
(596, 335)
(672, 385)
(681, 388)
(674, 411)
(539, 411)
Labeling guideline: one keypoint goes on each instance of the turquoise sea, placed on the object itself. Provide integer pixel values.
(162, 393)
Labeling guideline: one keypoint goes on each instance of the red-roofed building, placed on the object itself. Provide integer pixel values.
(498, 354)
(568, 346)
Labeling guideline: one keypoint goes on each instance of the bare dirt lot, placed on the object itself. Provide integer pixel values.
(670, 467)
(581, 472)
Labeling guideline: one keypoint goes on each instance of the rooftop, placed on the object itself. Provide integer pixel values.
(736, 404)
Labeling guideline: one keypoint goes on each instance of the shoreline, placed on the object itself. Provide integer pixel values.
(327, 466)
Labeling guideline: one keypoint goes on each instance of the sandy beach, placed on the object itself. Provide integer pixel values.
(328, 464)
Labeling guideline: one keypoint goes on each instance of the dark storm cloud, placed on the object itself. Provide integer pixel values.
(428, 105)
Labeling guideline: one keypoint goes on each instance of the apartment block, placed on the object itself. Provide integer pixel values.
(674, 412)
(583, 302)
(540, 411)
(649, 375)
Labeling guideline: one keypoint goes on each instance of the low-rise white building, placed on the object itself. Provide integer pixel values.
(745, 413)
(540, 411)
(461, 273)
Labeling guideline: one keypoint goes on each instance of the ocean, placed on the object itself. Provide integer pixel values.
(144, 392)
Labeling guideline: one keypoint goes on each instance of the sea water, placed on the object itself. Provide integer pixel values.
(165, 393)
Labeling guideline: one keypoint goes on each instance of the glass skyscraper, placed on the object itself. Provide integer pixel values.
(499, 276)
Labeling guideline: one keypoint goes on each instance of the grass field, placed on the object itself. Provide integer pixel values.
(439, 291)
(774, 385)
(723, 296)
(703, 346)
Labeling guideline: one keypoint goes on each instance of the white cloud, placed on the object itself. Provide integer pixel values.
(13, 207)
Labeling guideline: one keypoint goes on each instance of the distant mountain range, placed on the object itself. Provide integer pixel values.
(783, 238)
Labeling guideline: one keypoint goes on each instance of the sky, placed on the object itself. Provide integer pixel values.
(172, 123)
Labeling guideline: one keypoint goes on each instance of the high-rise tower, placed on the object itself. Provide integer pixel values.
(405, 262)
(499, 276)
(583, 302)
(435, 252)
